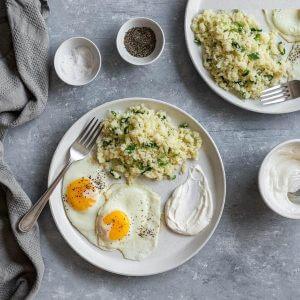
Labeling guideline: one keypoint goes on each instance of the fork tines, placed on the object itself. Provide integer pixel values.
(90, 133)
(276, 94)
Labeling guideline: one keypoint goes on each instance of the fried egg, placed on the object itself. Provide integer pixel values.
(129, 221)
(82, 194)
(286, 22)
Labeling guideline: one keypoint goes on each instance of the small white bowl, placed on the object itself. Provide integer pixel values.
(141, 22)
(262, 181)
(65, 50)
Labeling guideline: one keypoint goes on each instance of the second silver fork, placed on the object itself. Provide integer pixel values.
(80, 148)
(280, 93)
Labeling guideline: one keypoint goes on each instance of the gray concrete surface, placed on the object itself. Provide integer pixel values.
(254, 253)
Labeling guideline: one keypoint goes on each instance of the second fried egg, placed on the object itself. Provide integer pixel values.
(129, 221)
(286, 22)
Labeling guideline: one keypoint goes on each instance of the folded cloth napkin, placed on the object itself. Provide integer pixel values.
(24, 78)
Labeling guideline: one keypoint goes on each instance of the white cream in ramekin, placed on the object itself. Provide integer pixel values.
(280, 174)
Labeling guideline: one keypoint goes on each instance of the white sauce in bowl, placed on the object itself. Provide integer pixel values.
(189, 210)
(280, 175)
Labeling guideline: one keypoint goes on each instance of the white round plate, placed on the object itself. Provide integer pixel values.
(173, 249)
(192, 9)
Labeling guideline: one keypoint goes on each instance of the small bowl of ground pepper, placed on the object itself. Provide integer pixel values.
(140, 41)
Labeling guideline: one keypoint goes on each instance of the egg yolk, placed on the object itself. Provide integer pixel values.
(119, 224)
(77, 194)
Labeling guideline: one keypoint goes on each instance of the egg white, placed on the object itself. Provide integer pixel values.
(84, 221)
(142, 206)
(286, 22)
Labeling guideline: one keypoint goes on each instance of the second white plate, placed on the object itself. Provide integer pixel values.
(173, 249)
(192, 9)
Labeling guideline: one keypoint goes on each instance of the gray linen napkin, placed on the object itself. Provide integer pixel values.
(24, 45)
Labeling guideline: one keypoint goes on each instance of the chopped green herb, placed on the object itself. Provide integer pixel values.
(172, 177)
(106, 143)
(184, 125)
(235, 45)
(224, 80)
(197, 42)
(255, 30)
(146, 170)
(239, 26)
(162, 155)
(240, 82)
(257, 37)
(138, 111)
(113, 113)
(149, 145)
(270, 77)
(124, 120)
(126, 129)
(259, 71)
(253, 56)
(130, 148)
(140, 166)
(245, 73)
(162, 163)
(281, 48)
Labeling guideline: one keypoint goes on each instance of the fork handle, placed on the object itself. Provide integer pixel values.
(29, 219)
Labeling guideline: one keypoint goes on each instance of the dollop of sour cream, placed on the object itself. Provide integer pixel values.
(282, 175)
(190, 208)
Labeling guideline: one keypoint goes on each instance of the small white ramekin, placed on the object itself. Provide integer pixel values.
(141, 22)
(262, 183)
(65, 48)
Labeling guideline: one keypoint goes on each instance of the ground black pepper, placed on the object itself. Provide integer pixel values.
(140, 41)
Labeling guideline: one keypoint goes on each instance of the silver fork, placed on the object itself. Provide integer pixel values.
(80, 148)
(280, 93)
